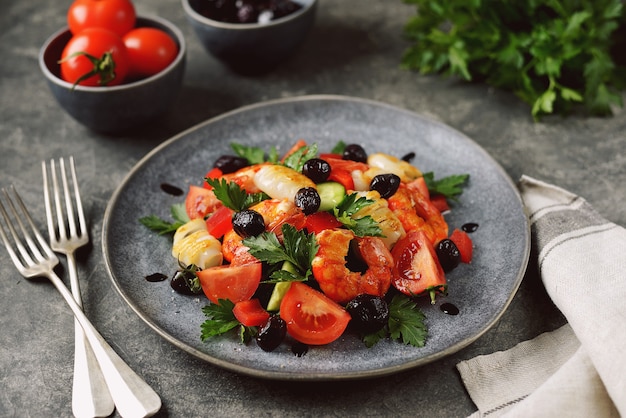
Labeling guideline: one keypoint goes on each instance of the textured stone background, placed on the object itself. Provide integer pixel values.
(354, 49)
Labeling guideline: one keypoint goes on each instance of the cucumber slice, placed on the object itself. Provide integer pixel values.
(280, 289)
(331, 194)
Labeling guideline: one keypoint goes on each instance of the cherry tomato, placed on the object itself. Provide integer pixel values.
(94, 57)
(319, 221)
(418, 270)
(200, 202)
(220, 222)
(464, 244)
(235, 283)
(311, 317)
(214, 173)
(250, 313)
(150, 51)
(116, 15)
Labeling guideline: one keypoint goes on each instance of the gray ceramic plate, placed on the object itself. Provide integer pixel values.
(481, 290)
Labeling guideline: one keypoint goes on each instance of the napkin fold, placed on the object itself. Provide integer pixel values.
(578, 370)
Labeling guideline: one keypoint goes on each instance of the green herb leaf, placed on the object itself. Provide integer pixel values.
(363, 226)
(254, 155)
(450, 186)
(179, 213)
(296, 160)
(220, 319)
(406, 324)
(299, 248)
(232, 195)
(158, 225)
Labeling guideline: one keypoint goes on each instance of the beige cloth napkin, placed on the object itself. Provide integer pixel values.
(578, 370)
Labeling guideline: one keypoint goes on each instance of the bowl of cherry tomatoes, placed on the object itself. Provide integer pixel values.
(112, 70)
(250, 36)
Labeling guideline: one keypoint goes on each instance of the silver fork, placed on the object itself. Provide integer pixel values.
(90, 396)
(33, 257)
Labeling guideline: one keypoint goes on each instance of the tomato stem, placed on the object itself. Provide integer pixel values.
(103, 67)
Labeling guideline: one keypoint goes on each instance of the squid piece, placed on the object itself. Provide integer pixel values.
(281, 182)
(193, 244)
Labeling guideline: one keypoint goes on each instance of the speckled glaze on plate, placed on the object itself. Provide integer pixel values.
(481, 290)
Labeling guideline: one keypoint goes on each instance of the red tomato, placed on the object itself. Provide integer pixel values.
(250, 313)
(418, 269)
(200, 202)
(228, 282)
(464, 244)
(214, 173)
(220, 222)
(150, 51)
(319, 221)
(440, 202)
(311, 317)
(77, 65)
(295, 147)
(116, 15)
(343, 177)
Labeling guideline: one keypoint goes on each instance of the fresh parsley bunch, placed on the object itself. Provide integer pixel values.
(552, 54)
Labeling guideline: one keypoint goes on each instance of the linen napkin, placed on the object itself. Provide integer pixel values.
(578, 370)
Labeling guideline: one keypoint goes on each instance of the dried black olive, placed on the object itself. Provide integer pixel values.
(385, 184)
(248, 223)
(369, 313)
(448, 254)
(308, 200)
(272, 333)
(230, 163)
(316, 169)
(354, 152)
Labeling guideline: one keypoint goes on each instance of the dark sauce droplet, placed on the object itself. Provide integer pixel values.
(156, 277)
(470, 227)
(299, 349)
(449, 309)
(173, 190)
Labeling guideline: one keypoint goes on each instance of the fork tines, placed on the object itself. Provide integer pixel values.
(30, 248)
(60, 231)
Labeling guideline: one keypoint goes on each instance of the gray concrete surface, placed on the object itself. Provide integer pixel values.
(354, 49)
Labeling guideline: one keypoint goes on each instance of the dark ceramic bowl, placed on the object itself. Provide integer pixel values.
(116, 109)
(249, 48)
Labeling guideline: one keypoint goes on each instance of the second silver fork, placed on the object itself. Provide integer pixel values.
(90, 395)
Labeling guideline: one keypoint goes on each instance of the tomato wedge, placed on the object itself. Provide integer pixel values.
(418, 270)
(200, 202)
(312, 318)
(220, 222)
(250, 313)
(464, 244)
(233, 283)
(440, 202)
(214, 173)
(319, 221)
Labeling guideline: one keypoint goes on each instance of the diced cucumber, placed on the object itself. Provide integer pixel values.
(331, 194)
(280, 289)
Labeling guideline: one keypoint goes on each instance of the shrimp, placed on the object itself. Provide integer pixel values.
(336, 280)
(244, 177)
(417, 213)
(275, 213)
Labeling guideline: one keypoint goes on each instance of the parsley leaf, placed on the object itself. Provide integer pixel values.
(162, 226)
(297, 159)
(449, 186)
(220, 319)
(556, 56)
(232, 195)
(298, 248)
(254, 155)
(361, 226)
(339, 147)
(406, 323)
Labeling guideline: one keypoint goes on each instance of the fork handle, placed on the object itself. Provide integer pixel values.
(133, 397)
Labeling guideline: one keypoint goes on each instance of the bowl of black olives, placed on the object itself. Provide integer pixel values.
(251, 36)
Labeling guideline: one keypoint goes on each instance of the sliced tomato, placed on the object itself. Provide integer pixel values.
(250, 313)
(319, 221)
(213, 173)
(325, 156)
(418, 270)
(200, 202)
(440, 202)
(311, 317)
(464, 244)
(420, 184)
(342, 176)
(340, 163)
(228, 282)
(220, 221)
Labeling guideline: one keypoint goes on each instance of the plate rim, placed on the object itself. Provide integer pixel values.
(309, 376)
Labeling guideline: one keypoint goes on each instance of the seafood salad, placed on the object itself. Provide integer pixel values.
(307, 246)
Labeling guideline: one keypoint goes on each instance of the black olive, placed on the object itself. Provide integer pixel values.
(272, 333)
(408, 157)
(385, 184)
(448, 254)
(354, 152)
(248, 223)
(369, 313)
(308, 200)
(182, 281)
(230, 163)
(316, 169)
